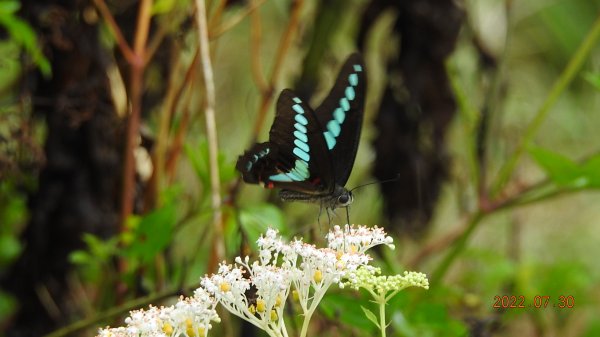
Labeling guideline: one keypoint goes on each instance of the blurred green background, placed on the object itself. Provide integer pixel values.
(487, 109)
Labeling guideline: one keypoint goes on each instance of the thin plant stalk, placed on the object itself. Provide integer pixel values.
(211, 129)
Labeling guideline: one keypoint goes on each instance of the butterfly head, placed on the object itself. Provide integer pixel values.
(341, 198)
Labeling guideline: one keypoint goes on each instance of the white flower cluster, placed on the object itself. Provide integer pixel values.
(189, 317)
(358, 239)
(257, 291)
(281, 265)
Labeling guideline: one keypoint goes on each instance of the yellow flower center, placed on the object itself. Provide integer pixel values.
(167, 329)
(189, 328)
(225, 287)
(318, 276)
(260, 305)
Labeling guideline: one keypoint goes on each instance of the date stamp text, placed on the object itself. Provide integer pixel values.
(537, 302)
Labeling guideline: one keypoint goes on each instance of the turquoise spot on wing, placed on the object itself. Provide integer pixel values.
(297, 100)
(300, 127)
(301, 168)
(353, 79)
(339, 115)
(256, 157)
(345, 104)
(334, 128)
(300, 136)
(350, 93)
(302, 145)
(301, 154)
(294, 176)
(330, 139)
(301, 119)
(281, 177)
(298, 108)
(357, 67)
(298, 173)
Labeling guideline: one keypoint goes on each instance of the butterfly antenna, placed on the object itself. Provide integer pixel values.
(396, 178)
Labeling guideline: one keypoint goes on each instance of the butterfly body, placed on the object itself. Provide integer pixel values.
(310, 153)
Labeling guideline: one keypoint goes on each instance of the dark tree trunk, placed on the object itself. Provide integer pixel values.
(78, 186)
(416, 108)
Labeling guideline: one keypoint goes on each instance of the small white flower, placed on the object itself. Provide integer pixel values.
(189, 317)
(357, 239)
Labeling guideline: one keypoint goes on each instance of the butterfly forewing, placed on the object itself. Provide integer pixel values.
(340, 116)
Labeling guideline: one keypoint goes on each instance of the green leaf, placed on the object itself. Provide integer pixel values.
(80, 257)
(591, 170)
(9, 7)
(256, 219)
(199, 159)
(433, 319)
(559, 168)
(343, 307)
(593, 79)
(565, 172)
(100, 249)
(371, 316)
(8, 305)
(23, 34)
(10, 248)
(153, 234)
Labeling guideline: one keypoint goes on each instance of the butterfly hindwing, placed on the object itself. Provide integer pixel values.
(341, 115)
(295, 156)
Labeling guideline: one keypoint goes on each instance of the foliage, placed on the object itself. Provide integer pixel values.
(518, 215)
(22, 34)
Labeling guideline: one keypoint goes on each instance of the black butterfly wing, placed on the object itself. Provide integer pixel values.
(296, 157)
(341, 115)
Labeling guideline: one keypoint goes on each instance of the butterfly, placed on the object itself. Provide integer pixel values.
(310, 153)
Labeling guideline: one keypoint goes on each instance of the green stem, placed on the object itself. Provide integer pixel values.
(565, 78)
(305, 323)
(470, 117)
(71, 329)
(524, 201)
(460, 244)
(317, 297)
(382, 324)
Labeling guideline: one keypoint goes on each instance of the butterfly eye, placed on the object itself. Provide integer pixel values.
(345, 199)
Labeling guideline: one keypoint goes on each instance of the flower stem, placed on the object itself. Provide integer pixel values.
(305, 324)
(382, 324)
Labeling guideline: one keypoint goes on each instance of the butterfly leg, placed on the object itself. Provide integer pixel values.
(348, 215)
(319, 216)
